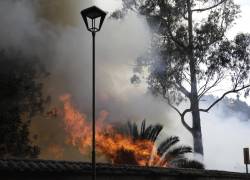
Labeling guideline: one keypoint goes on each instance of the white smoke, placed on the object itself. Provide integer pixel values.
(225, 135)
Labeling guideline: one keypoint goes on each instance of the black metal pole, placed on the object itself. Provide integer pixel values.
(246, 158)
(93, 112)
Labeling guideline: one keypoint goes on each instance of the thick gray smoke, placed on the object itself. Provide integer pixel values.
(66, 51)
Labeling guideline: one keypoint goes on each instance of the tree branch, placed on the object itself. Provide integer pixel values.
(182, 89)
(174, 39)
(183, 120)
(206, 88)
(211, 7)
(172, 106)
(226, 93)
(170, 33)
(202, 88)
(182, 115)
(185, 77)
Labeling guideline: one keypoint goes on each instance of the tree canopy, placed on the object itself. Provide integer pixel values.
(191, 54)
(20, 99)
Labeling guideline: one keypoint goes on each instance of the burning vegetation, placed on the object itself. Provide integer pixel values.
(124, 144)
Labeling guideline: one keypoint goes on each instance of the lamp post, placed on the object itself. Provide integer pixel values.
(93, 18)
(246, 158)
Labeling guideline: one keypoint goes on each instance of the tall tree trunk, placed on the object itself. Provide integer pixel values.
(196, 129)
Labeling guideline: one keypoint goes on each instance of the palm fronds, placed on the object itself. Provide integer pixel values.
(145, 133)
(133, 130)
(151, 132)
(166, 144)
(172, 155)
(175, 152)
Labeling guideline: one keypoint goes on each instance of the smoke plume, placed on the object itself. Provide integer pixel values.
(62, 43)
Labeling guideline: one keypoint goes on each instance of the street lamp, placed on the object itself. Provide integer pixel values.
(93, 18)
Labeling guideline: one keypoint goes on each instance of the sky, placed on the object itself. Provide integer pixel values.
(243, 22)
(241, 26)
(61, 40)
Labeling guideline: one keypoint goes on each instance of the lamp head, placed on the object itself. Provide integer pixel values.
(93, 18)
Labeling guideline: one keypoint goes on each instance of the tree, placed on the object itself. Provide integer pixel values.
(20, 99)
(171, 154)
(190, 57)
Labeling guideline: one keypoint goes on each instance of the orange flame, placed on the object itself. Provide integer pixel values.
(117, 147)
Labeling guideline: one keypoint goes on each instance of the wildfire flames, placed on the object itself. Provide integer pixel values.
(115, 146)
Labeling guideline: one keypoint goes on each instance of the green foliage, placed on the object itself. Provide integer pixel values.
(20, 99)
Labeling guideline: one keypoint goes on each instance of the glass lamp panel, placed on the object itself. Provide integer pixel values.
(97, 22)
(90, 26)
